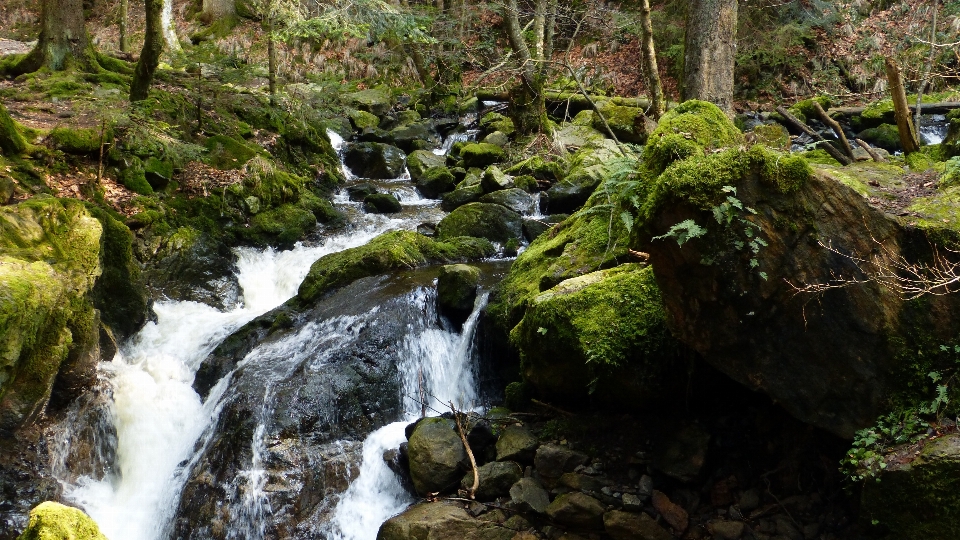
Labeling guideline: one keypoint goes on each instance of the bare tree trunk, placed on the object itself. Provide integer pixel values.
(271, 61)
(124, 38)
(63, 39)
(216, 9)
(539, 27)
(528, 106)
(929, 67)
(901, 110)
(150, 54)
(710, 51)
(650, 70)
(169, 30)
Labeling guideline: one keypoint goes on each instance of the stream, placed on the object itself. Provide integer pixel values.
(167, 441)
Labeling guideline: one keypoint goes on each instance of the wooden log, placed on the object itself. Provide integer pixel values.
(822, 143)
(870, 150)
(942, 107)
(835, 126)
(901, 109)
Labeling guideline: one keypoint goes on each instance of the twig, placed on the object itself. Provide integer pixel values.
(551, 407)
(103, 129)
(835, 126)
(870, 150)
(472, 491)
(822, 143)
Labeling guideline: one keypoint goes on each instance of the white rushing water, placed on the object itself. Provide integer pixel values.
(438, 365)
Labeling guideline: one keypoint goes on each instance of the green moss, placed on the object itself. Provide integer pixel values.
(494, 121)
(819, 156)
(280, 226)
(951, 173)
(773, 136)
(389, 251)
(481, 154)
(918, 161)
(950, 146)
(537, 167)
(11, 142)
(78, 140)
(886, 136)
(627, 123)
(362, 120)
(484, 220)
(377, 101)
(688, 130)
(804, 109)
(228, 153)
(54, 521)
(134, 178)
(939, 211)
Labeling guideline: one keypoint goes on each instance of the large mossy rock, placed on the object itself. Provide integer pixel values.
(481, 154)
(381, 203)
(437, 457)
(461, 196)
(482, 220)
(228, 153)
(515, 199)
(495, 479)
(593, 163)
(832, 359)
(436, 181)
(415, 136)
(457, 289)
(917, 495)
(610, 320)
(577, 510)
(885, 136)
(50, 259)
(375, 160)
(54, 521)
(441, 521)
(628, 123)
(692, 128)
(11, 142)
(377, 101)
(420, 161)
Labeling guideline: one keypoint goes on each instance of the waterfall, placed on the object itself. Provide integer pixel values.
(439, 365)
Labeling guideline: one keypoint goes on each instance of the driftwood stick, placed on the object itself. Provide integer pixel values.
(472, 492)
(823, 143)
(835, 126)
(901, 110)
(870, 150)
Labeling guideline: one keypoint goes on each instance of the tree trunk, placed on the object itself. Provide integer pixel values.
(216, 9)
(901, 110)
(650, 70)
(169, 30)
(124, 38)
(710, 51)
(271, 61)
(11, 143)
(63, 39)
(528, 107)
(150, 54)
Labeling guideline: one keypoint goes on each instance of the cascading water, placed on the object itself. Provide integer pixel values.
(163, 426)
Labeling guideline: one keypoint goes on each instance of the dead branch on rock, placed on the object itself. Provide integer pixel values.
(472, 491)
(893, 272)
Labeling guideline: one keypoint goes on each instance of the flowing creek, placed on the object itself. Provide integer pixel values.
(164, 428)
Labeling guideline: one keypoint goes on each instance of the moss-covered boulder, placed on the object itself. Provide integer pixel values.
(157, 172)
(494, 121)
(482, 220)
(54, 521)
(389, 251)
(494, 179)
(77, 140)
(362, 120)
(420, 161)
(689, 129)
(457, 290)
(50, 258)
(628, 124)
(228, 153)
(538, 168)
(611, 320)
(497, 138)
(442, 520)
(772, 136)
(884, 136)
(436, 181)
(805, 109)
(951, 144)
(918, 492)
(481, 154)
(495, 479)
(381, 203)
(359, 192)
(376, 101)
(534, 227)
(133, 176)
(437, 456)
(515, 199)
(281, 226)
(589, 166)
(375, 160)
(461, 196)
(11, 142)
(416, 136)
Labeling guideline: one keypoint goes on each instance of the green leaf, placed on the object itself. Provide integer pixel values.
(683, 232)
(627, 219)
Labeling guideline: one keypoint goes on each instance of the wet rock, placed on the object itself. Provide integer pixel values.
(461, 196)
(381, 203)
(493, 179)
(362, 120)
(683, 453)
(359, 192)
(496, 479)
(417, 136)
(534, 227)
(435, 181)
(374, 160)
(376, 101)
(515, 199)
(552, 460)
(497, 138)
(672, 513)
(577, 510)
(427, 229)
(376, 135)
(441, 521)
(419, 161)
(457, 290)
(749, 500)
(631, 502)
(516, 443)
(628, 123)
(529, 496)
(481, 220)
(583, 482)
(726, 530)
(951, 143)
(481, 154)
(645, 487)
(437, 456)
(51, 520)
(630, 526)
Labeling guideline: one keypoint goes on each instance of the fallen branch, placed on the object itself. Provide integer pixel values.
(822, 143)
(835, 126)
(472, 491)
(551, 407)
(870, 150)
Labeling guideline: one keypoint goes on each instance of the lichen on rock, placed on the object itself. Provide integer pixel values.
(54, 521)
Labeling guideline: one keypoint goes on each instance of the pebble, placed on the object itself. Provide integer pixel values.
(631, 502)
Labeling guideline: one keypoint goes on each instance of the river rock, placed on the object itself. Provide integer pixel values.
(375, 135)
(362, 120)
(552, 460)
(583, 482)
(374, 160)
(381, 203)
(481, 154)
(577, 510)
(529, 496)
(515, 199)
(588, 167)
(516, 443)
(441, 521)
(630, 526)
(672, 513)
(191, 266)
(419, 161)
(436, 181)
(494, 121)
(481, 220)
(534, 227)
(416, 136)
(457, 290)
(461, 196)
(493, 179)
(359, 192)
(437, 457)
(683, 453)
(496, 479)
(629, 124)
(376, 101)
(497, 138)
(50, 520)
(884, 136)
(728, 530)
